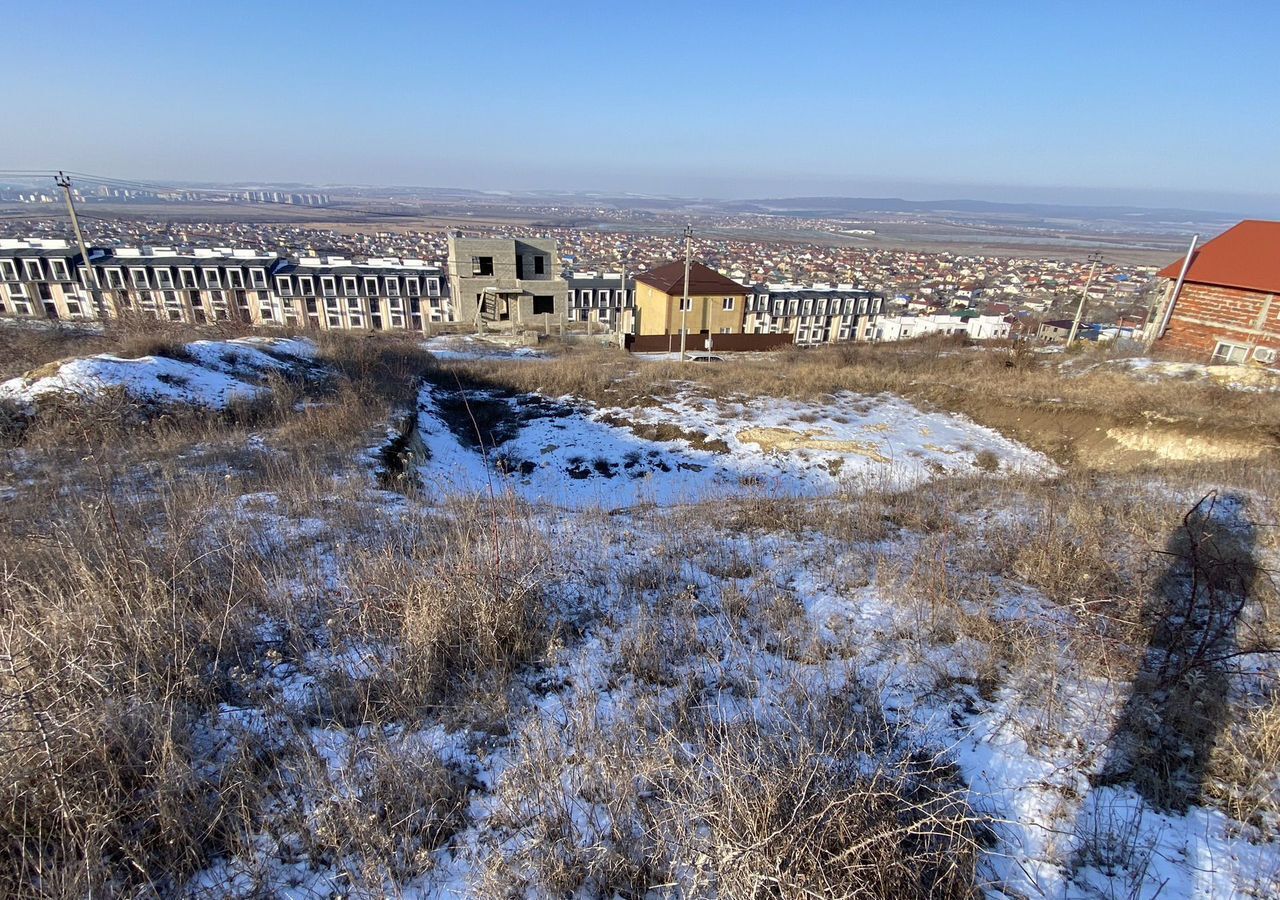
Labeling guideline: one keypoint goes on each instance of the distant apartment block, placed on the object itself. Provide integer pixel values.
(601, 300)
(506, 284)
(813, 315)
(46, 280)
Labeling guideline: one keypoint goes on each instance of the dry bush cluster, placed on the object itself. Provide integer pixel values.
(118, 625)
(380, 822)
(820, 798)
(464, 599)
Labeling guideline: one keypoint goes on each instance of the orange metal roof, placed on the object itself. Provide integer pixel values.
(703, 281)
(1244, 256)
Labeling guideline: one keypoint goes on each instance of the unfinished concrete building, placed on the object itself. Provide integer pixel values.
(505, 283)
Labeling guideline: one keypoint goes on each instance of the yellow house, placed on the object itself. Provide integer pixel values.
(717, 305)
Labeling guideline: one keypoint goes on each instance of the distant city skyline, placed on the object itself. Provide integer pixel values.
(1118, 104)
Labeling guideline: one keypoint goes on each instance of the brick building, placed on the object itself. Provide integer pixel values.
(1227, 310)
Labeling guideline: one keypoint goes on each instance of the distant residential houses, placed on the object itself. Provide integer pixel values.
(488, 283)
(971, 325)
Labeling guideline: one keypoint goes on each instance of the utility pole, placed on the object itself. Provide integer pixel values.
(1167, 312)
(622, 306)
(684, 299)
(1094, 258)
(91, 281)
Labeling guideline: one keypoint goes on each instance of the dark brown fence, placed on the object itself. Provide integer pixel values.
(697, 343)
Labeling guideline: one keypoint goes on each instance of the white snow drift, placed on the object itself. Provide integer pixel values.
(212, 374)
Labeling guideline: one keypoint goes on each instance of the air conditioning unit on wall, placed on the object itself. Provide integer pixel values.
(1265, 355)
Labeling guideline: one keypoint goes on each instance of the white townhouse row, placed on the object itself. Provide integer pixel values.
(47, 279)
(501, 281)
(974, 327)
(818, 314)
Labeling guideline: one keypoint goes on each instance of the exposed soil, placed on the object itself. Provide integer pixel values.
(485, 419)
(1087, 440)
(665, 431)
(787, 439)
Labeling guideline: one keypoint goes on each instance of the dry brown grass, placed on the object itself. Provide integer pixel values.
(821, 800)
(126, 604)
(463, 598)
(1030, 396)
(26, 348)
(385, 817)
(118, 624)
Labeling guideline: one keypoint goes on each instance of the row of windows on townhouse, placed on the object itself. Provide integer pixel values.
(163, 278)
(809, 331)
(393, 311)
(353, 285)
(837, 306)
(189, 305)
(33, 270)
(601, 298)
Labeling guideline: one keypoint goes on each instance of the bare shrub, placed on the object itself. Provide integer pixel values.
(820, 800)
(168, 346)
(574, 809)
(821, 809)
(469, 603)
(987, 461)
(382, 816)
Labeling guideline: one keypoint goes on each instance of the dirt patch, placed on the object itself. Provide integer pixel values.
(665, 432)
(1180, 446)
(786, 439)
(487, 419)
(1084, 438)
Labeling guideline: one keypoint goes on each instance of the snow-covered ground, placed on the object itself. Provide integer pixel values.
(210, 374)
(852, 624)
(472, 347)
(692, 448)
(657, 615)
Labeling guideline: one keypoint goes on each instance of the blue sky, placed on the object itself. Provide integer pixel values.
(1128, 101)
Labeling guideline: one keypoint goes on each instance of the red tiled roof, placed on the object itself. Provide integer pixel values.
(1244, 256)
(703, 281)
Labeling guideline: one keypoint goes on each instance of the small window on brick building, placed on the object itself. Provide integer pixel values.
(1229, 354)
(544, 305)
